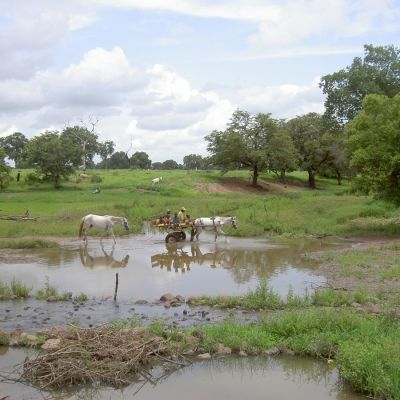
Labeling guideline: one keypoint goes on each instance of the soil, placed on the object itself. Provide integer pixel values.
(239, 185)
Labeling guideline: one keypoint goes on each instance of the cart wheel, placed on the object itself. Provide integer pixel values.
(182, 235)
(171, 238)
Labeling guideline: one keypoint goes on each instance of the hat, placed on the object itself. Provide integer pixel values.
(183, 208)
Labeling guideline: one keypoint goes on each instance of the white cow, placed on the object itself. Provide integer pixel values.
(156, 181)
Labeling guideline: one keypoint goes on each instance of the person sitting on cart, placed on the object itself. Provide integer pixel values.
(167, 217)
(175, 219)
(182, 215)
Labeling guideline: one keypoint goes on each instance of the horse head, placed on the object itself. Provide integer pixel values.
(125, 223)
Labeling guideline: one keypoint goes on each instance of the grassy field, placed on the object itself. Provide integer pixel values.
(292, 210)
(365, 347)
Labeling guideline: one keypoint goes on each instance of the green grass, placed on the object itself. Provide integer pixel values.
(51, 292)
(366, 348)
(27, 244)
(14, 290)
(297, 212)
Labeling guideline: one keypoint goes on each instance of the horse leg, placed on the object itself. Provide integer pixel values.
(112, 234)
(198, 233)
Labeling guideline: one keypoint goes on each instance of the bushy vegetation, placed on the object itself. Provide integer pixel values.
(14, 290)
(51, 293)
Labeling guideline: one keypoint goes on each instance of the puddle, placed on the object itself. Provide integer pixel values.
(147, 267)
(275, 378)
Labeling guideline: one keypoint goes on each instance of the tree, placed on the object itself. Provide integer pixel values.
(105, 150)
(308, 134)
(85, 139)
(170, 164)
(193, 161)
(282, 154)
(13, 146)
(377, 73)
(140, 160)
(5, 171)
(243, 143)
(157, 165)
(118, 161)
(374, 145)
(337, 163)
(54, 155)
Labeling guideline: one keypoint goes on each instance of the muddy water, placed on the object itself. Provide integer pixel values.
(148, 268)
(277, 378)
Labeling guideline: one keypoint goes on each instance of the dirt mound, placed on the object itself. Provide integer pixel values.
(228, 185)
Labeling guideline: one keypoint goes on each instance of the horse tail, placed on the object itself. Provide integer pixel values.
(81, 227)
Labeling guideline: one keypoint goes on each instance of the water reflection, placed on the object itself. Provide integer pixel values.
(243, 261)
(106, 260)
(261, 378)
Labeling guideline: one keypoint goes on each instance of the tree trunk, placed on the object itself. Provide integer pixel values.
(283, 176)
(311, 178)
(338, 177)
(255, 175)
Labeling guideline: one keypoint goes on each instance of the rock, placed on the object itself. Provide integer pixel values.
(51, 298)
(192, 341)
(191, 299)
(242, 353)
(372, 308)
(273, 351)
(15, 338)
(141, 302)
(355, 305)
(180, 298)
(204, 356)
(51, 344)
(222, 350)
(140, 330)
(167, 297)
(156, 302)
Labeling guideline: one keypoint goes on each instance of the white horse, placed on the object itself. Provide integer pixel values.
(156, 181)
(101, 221)
(212, 224)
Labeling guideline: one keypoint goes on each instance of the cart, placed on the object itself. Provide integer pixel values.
(175, 233)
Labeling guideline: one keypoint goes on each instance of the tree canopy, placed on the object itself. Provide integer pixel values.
(374, 145)
(377, 73)
(243, 143)
(308, 134)
(140, 160)
(14, 146)
(53, 155)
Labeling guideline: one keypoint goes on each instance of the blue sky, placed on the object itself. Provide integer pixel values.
(163, 74)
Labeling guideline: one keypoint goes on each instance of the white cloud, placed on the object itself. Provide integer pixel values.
(156, 108)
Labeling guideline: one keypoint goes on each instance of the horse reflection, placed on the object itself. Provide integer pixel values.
(106, 260)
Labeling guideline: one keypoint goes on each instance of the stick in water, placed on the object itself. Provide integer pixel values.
(116, 286)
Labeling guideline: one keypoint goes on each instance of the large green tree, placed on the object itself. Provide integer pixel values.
(53, 155)
(193, 161)
(87, 140)
(118, 160)
(377, 73)
(170, 164)
(243, 143)
(5, 171)
(14, 146)
(374, 145)
(140, 160)
(308, 134)
(282, 154)
(105, 150)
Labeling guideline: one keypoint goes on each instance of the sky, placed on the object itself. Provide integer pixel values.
(159, 75)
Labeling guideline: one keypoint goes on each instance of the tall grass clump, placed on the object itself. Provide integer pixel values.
(51, 293)
(262, 297)
(19, 289)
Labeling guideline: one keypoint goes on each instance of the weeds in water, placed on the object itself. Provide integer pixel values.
(126, 323)
(80, 298)
(50, 293)
(14, 290)
(19, 289)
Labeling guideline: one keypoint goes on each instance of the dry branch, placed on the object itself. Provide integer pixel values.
(97, 355)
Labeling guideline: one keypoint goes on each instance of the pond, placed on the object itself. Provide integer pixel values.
(275, 378)
(148, 268)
